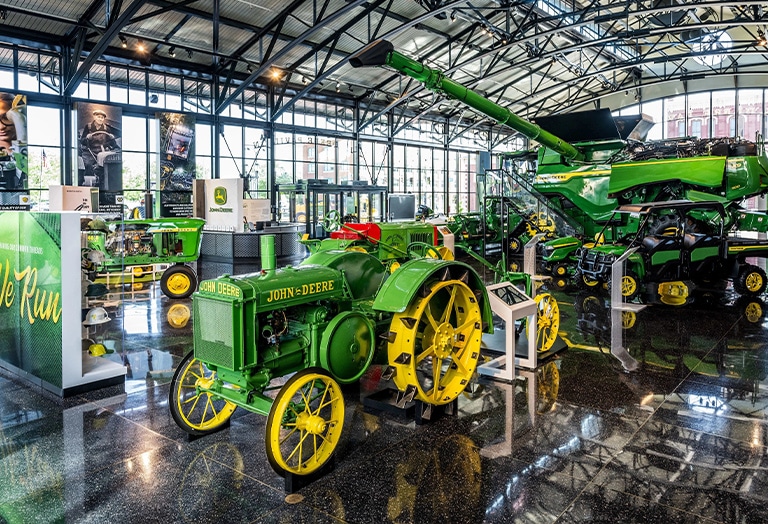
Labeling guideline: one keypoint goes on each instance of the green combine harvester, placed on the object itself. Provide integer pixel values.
(585, 172)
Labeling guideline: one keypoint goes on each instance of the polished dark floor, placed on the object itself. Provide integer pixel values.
(679, 438)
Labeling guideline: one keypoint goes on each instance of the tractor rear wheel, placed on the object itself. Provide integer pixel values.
(178, 281)
(435, 343)
(751, 280)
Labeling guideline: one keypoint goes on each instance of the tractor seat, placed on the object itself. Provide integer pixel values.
(696, 240)
(653, 243)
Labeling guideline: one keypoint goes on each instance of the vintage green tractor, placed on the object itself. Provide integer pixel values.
(586, 171)
(128, 250)
(325, 320)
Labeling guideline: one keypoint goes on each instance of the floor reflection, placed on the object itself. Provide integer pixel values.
(671, 429)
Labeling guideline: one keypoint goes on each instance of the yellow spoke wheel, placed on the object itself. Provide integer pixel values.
(547, 321)
(589, 282)
(305, 422)
(435, 343)
(194, 407)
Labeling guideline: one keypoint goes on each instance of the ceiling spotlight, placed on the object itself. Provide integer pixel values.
(338, 86)
(453, 16)
(140, 47)
(249, 69)
(304, 80)
(123, 41)
(761, 40)
(276, 74)
(172, 52)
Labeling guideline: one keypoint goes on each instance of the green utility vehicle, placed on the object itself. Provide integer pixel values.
(679, 244)
(132, 248)
(585, 171)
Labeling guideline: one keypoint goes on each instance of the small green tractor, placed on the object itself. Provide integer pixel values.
(127, 251)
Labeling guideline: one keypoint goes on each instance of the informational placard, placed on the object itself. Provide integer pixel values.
(100, 160)
(256, 210)
(73, 198)
(13, 152)
(177, 163)
(224, 204)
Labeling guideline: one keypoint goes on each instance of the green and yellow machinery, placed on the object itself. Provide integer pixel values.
(132, 248)
(585, 171)
(325, 320)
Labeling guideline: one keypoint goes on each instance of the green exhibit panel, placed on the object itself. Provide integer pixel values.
(40, 329)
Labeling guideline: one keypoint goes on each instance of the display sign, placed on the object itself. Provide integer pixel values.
(74, 198)
(256, 210)
(100, 160)
(13, 152)
(224, 204)
(177, 163)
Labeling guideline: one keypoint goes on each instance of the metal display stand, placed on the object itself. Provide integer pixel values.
(618, 307)
(510, 304)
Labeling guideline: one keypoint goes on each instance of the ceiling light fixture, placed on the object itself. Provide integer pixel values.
(761, 40)
(249, 69)
(123, 41)
(338, 86)
(172, 52)
(453, 16)
(140, 47)
(304, 80)
(276, 74)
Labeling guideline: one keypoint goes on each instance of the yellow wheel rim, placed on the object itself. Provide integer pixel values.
(178, 315)
(178, 283)
(560, 270)
(628, 319)
(589, 282)
(628, 285)
(305, 423)
(753, 282)
(195, 405)
(435, 343)
(137, 271)
(445, 253)
(357, 249)
(547, 386)
(753, 312)
(547, 321)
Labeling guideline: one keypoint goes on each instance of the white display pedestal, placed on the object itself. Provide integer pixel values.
(618, 307)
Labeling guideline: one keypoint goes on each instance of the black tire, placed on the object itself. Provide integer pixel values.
(665, 226)
(750, 281)
(514, 245)
(178, 281)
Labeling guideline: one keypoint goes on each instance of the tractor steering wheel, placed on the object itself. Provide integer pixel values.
(332, 220)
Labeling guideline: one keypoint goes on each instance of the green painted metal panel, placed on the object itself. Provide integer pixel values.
(706, 171)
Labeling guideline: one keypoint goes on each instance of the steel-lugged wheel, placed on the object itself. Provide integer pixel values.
(435, 343)
(305, 423)
(547, 321)
(178, 281)
(194, 407)
(332, 221)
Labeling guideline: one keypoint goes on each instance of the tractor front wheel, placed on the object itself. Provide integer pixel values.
(305, 423)
(194, 407)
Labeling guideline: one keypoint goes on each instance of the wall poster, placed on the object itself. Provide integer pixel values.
(177, 163)
(100, 160)
(13, 152)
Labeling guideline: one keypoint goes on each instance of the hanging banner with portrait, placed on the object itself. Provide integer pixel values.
(177, 163)
(100, 159)
(13, 152)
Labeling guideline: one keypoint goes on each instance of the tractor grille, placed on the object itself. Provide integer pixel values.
(595, 262)
(215, 332)
(427, 237)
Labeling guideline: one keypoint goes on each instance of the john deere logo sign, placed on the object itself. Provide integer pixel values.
(220, 196)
